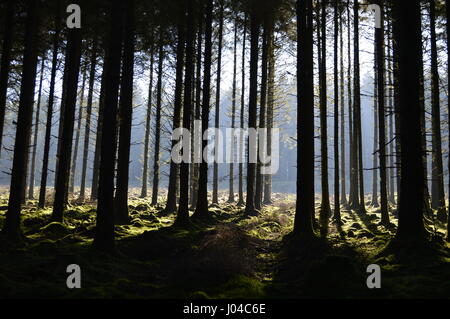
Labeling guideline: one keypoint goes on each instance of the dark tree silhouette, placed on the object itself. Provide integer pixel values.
(11, 227)
(104, 232)
(73, 56)
(201, 209)
(5, 63)
(305, 121)
(125, 117)
(407, 33)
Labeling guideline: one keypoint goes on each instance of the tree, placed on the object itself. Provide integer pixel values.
(342, 98)
(201, 210)
(379, 40)
(158, 120)
(233, 113)
(447, 11)
(98, 138)
(183, 209)
(87, 128)
(241, 138)
(147, 123)
(304, 209)
(36, 132)
(376, 130)
(337, 205)
(437, 175)
(73, 56)
(262, 109)
(6, 62)
(73, 169)
(325, 204)
(250, 208)
(357, 130)
(11, 227)
(125, 117)
(171, 204)
(215, 199)
(407, 33)
(51, 98)
(104, 232)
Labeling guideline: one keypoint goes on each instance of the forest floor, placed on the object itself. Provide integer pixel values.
(231, 256)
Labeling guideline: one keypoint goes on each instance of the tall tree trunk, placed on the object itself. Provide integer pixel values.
(147, 124)
(98, 137)
(391, 181)
(325, 205)
(379, 40)
(73, 57)
(262, 111)
(125, 117)
(87, 129)
(353, 196)
(241, 138)
(270, 105)
(437, 182)
(376, 130)
(201, 210)
(51, 98)
(171, 204)
(11, 227)
(233, 114)
(252, 107)
(357, 131)
(337, 205)
(183, 209)
(155, 186)
(73, 169)
(447, 11)
(215, 199)
(342, 97)
(305, 121)
(36, 132)
(104, 235)
(6, 62)
(408, 35)
(198, 93)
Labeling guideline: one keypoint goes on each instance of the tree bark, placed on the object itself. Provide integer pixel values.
(233, 115)
(11, 227)
(379, 40)
(262, 111)
(357, 131)
(305, 121)
(241, 138)
(171, 204)
(73, 57)
(215, 199)
(437, 179)
(36, 133)
(201, 210)
(125, 117)
(73, 170)
(87, 129)
(183, 209)
(337, 205)
(325, 209)
(155, 186)
(252, 107)
(5, 63)
(48, 126)
(104, 235)
(408, 35)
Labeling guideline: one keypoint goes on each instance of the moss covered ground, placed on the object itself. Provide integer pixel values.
(230, 256)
